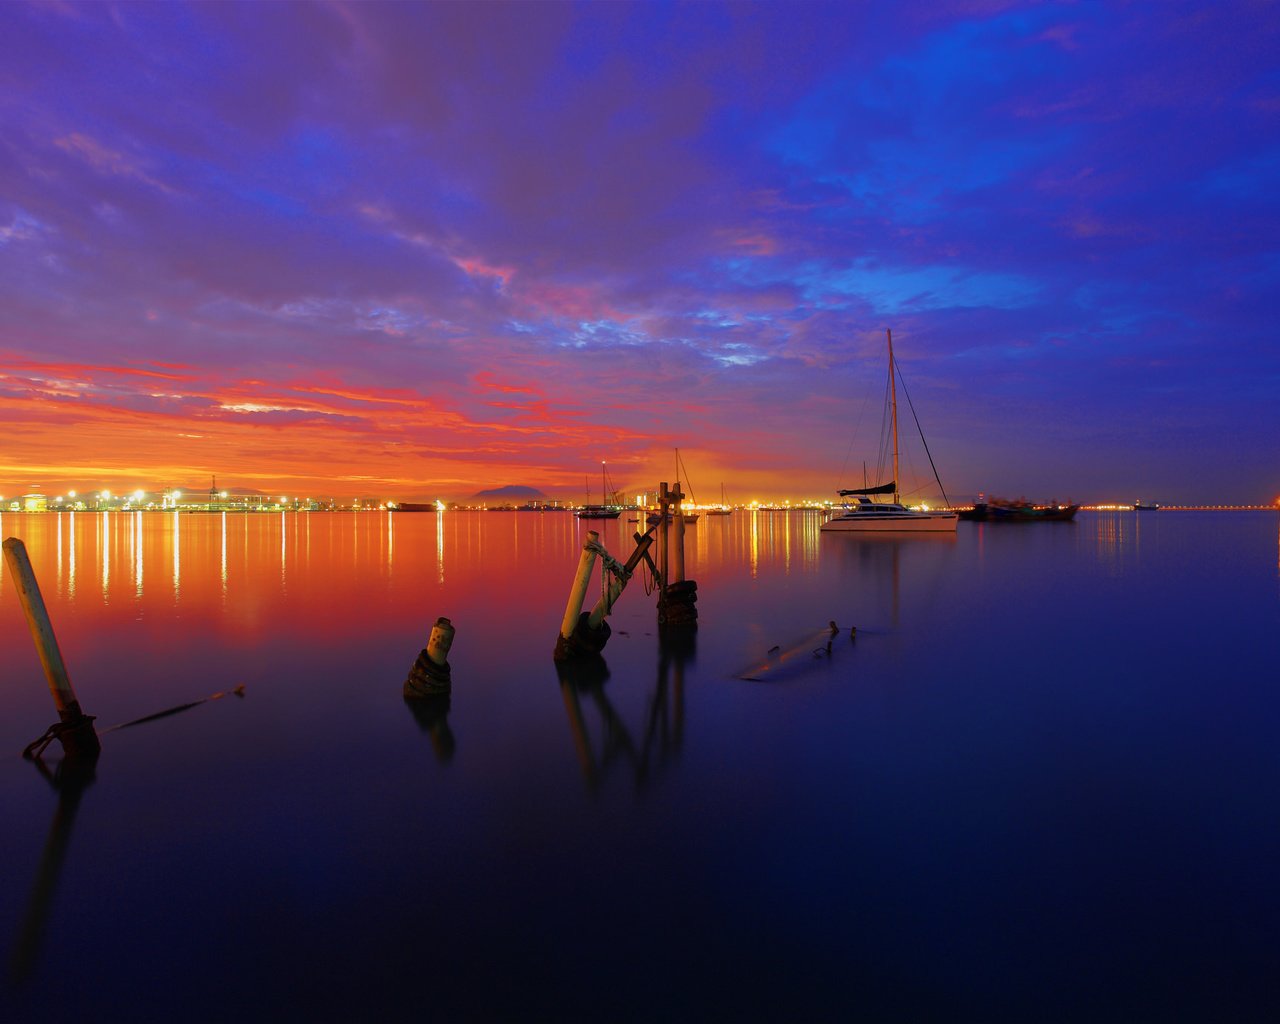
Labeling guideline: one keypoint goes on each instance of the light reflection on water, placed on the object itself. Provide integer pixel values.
(1002, 786)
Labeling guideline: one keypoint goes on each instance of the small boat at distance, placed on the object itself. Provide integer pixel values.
(656, 517)
(722, 509)
(1145, 506)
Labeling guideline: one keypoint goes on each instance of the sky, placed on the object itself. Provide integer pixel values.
(415, 251)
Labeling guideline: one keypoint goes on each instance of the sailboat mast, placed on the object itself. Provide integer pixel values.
(893, 405)
(604, 495)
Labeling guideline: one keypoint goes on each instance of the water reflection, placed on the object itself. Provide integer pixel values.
(432, 715)
(222, 570)
(878, 560)
(137, 553)
(661, 731)
(104, 525)
(70, 779)
(71, 561)
(177, 555)
(1115, 537)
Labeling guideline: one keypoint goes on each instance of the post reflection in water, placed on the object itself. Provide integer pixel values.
(70, 779)
(662, 725)
(432, 715)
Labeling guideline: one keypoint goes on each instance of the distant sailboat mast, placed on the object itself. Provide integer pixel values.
(893, 405)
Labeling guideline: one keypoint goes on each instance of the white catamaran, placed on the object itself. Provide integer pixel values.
(867, 516)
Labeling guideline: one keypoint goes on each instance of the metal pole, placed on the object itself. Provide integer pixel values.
(893, 397)
(580, 583)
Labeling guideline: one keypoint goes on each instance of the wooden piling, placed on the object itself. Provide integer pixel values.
(81, 737)
(580, 583)
(440, 642)
(664, 517)
(679, 522)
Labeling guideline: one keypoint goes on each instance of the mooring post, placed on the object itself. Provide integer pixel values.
(440, 642)
(580, 583)
(431, 675)
(664, 507)
(77, 736)
(676, 598)
(679, 496)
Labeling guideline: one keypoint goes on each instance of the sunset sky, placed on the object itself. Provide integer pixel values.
(419, 250)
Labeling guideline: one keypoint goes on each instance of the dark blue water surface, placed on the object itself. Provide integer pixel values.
(1042, 784)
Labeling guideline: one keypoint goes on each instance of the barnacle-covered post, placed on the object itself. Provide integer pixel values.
(677, 599)
(431, 675)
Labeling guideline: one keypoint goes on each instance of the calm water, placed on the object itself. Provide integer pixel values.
(1042, 784)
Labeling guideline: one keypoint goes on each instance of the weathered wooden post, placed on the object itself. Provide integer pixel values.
(664, 517)
(679, 523)
(431, 675)
(677, 598)
(574, 639)
(580, 583)
(75, 729)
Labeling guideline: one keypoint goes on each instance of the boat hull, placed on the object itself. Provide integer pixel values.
(1003, 513)
(869, 522)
